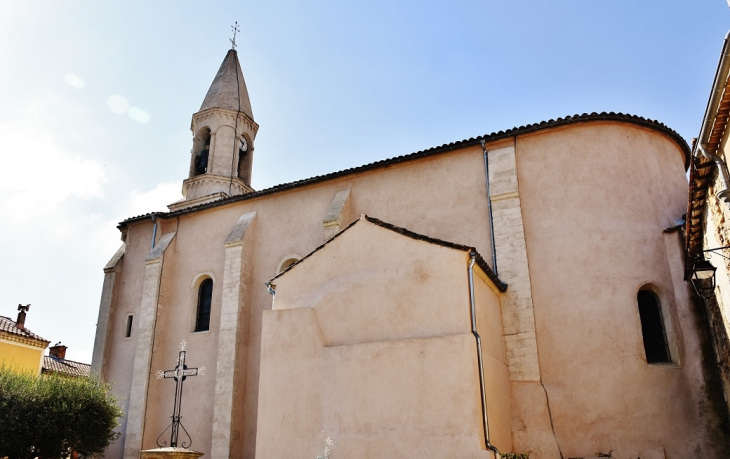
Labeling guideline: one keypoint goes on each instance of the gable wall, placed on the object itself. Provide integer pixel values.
(370, 340)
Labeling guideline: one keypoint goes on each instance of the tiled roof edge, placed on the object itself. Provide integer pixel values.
(585, 117)
(52, 364)
(20, 332)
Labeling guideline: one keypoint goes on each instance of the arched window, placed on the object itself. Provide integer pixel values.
(201, 152)
(244, 161)
(652, 328)
(287, 261)
(205, 294)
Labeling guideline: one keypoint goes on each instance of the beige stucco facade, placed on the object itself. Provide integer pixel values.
(368, 340)
(376, 351)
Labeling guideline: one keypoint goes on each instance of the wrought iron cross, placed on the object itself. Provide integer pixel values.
(235, 29)
(179, 374)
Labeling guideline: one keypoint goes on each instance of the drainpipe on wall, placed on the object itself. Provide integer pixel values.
(489, 204)
(154, 233)
(718, 89)
(270, 288)
(480, 359)
(724, 193)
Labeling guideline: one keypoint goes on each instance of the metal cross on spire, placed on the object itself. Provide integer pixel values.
(235, 30)
(179, 374)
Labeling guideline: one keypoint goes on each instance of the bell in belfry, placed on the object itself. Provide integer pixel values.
(201, 162)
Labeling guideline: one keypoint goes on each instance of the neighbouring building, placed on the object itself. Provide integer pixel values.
(24, 350)
(708, 214)
(20, 348)
(522, 290)
(57, 363)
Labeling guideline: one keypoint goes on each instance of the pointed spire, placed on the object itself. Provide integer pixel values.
(229, 88)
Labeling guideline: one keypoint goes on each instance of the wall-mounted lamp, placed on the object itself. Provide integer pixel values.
(703, 273)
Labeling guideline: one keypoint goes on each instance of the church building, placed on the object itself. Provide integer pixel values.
(520, 291)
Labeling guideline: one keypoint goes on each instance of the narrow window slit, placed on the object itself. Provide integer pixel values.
(128, 328)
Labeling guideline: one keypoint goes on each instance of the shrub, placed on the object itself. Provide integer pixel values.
(515, 455)
(50, 416)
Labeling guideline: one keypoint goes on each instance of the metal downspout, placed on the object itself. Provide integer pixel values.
(154, 233)
(270, 288)
(489, 204)
(718, 89)
(480, 359)
(724, 193)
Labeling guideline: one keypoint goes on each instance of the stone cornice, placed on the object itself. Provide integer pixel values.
(41, 344)
(226, 114)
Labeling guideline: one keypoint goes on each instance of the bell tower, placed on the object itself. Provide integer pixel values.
(224, 132)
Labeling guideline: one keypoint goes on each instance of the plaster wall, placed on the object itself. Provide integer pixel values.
(496, 371)
(21, 356)
(119, 351)
(374, 329)
(595, 201)
(372, 284)
(409, 195)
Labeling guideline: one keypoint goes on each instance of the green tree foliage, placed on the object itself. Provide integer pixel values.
(49, 416)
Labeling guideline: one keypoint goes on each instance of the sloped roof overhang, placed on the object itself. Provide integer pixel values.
(501, 286)
(474, 141)
(712, 132)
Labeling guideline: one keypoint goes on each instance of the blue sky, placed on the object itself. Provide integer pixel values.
(96, 100)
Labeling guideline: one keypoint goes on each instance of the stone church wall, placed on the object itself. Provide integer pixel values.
(409, 195)
(591, 200)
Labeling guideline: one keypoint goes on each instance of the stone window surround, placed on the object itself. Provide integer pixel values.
(194, 293)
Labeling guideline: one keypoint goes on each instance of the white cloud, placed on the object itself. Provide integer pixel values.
(138, 115)
(41, 175)
(155, 200)
(74, 81)
(118, 104)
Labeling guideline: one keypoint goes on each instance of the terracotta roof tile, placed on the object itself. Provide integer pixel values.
(53, 364)
(474, 141)
(9, 326)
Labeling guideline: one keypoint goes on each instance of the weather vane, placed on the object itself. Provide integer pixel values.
(235, 29)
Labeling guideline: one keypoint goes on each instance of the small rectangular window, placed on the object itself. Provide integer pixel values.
(128, 329)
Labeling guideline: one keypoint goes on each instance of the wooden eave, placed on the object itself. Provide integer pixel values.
(700, 177)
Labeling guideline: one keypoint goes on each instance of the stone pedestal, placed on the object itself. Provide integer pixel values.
(169, 453)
